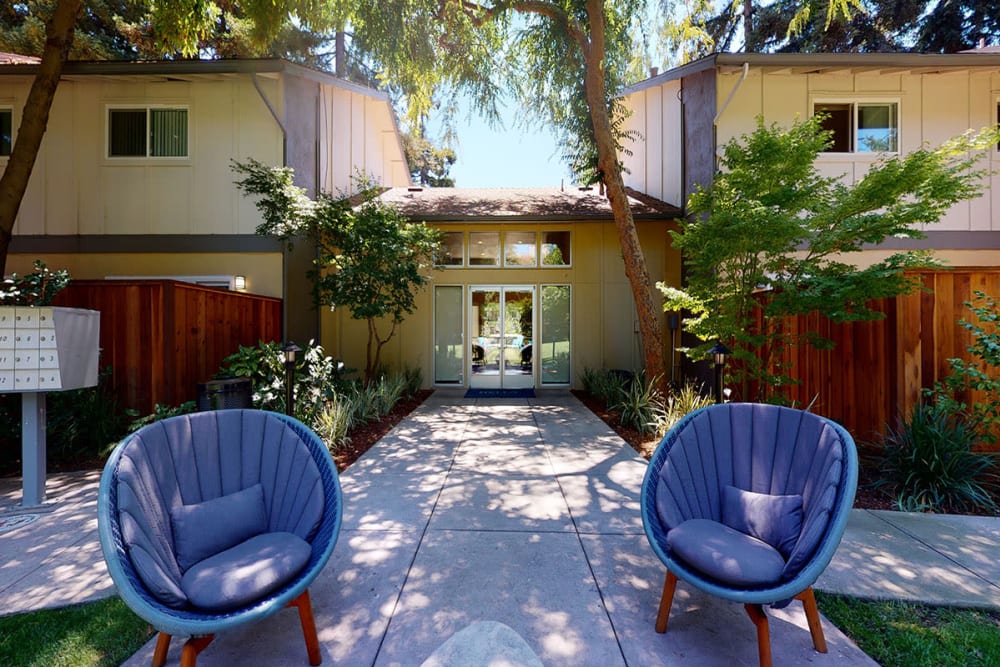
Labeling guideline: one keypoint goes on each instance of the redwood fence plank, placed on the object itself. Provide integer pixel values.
(162, 337)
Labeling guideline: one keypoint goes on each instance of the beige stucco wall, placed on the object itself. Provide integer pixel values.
(603, 327)
(76, 189)
(932, 108)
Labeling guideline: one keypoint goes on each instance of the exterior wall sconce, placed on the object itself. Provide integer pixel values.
(239, 283)
(719, 352)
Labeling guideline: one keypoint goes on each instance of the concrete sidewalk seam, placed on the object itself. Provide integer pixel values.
(935, 550)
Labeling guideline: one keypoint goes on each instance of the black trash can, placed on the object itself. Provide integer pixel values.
(225, 394)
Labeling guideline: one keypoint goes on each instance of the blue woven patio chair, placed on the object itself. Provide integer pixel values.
(216, 519)
(748, 502)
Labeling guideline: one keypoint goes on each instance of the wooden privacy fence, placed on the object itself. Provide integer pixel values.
(162, 337)
(878, 369)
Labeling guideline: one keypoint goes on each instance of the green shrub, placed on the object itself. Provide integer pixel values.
(37, 288)
(336, 420)
(679, 403)
(930, 463)
(82, 425)
(317, 378)
(638, 405)
(608, 386)
(161, 412)
(414, 380)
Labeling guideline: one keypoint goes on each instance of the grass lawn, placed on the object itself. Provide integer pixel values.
(910, 635)
(893, 633)
(97, 633)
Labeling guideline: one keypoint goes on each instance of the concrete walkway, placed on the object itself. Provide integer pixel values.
(523, 512)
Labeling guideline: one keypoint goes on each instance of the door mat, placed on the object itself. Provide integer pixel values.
(500, 393)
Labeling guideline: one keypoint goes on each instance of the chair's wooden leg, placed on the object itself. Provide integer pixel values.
(812, 616)
(162, 646)
(759, 618)
(308, 626)
(666, 600)
(192, 647)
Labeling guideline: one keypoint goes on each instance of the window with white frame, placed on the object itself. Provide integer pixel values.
(6, 131)
(860, 127)
(141, 132)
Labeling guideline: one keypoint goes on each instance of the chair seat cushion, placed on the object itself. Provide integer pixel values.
(725, 555)
(245, 573)
(776, 520)
(207, 528)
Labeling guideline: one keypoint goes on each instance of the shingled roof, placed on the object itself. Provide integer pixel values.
(514, 204)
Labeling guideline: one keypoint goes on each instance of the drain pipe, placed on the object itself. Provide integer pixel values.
(715, 121)
(732, 93)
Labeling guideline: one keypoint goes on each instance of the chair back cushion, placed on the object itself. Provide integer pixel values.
(169, 466)
(763, 449)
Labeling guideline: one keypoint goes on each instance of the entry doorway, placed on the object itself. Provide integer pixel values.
(501, 341)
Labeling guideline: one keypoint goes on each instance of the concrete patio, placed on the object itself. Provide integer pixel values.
(524, 512)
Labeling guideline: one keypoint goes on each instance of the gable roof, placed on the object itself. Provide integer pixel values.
(518, 205)
(820, 63)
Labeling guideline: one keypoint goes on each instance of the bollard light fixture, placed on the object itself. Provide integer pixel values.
(719, 353)
(290, 350)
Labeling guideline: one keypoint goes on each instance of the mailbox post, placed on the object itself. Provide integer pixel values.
(44, 349)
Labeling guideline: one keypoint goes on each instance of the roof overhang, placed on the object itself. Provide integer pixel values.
(830, 63)
(510, 205)
(191, 71)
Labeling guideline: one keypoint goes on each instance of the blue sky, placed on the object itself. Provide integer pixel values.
(505, 157)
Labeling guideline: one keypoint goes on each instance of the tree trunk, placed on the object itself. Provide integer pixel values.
(650, 330)
(35, 118)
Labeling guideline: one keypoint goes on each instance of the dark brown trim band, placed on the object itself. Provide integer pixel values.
(144, 243)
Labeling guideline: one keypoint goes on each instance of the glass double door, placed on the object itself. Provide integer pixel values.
(501, 344)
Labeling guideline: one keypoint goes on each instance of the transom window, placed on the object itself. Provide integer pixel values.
(6, 132)
(157, 132)
(861, 127)
(511, 249)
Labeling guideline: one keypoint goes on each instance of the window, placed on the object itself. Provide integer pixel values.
(6, 132)
(861, 127)
(554, 352)
(555, 249)
(519, 248)
(484, 248)
(453, 249)
(148, 132)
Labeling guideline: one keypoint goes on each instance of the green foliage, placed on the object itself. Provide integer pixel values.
(82, 425)
(608, 386)
(900, 634)
(771, 232)
(680, 402)
(413, 381)
(161, 412)
(429, 164)
(37, 288)
(370, 258)
(85, 424)
(318, 377)
(325, 400)
(639, 405)
(930, 463)
(981, 372)
(96, 634)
